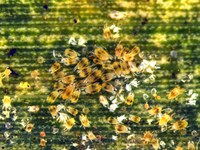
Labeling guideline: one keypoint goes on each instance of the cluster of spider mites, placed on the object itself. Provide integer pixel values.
(103, 74)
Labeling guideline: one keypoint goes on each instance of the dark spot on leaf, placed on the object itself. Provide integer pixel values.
(14, 73)
(75, 20)
(144, 21)
(45, 7)
(12, 52)
(173, 75)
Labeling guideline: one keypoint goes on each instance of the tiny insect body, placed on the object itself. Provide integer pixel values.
(134, 118)
(67, 92)
(125, 67)
(155, 110)
(103, 100)
(117, 68)
(53, 110)
(93, 88)
(6, 102)
(119, 50)
(175, 92)
(84, 62)
(112, 120)
(119, 128)
(68, 79)
(130, 99)
(107, 34)
(75, 96)
(108, 76)
(71, 53)
(108, 87)
(59, 86)
(91, 136)
(73, 111)
(53, 96)
(85, 72)
(69, 124)
(94, 76)
(69, 61)
(55, 67)
(164, 120)
(84, 120)
(101, 54)
(147, 137)
(179, 125)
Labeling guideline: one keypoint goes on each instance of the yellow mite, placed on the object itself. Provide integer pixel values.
(119, 50)
(69, 61)
(7, 73)
(94, 76)
(103, 100)
(91, 136)
(125, 67)
(175, 92)
(84, 62)
(147, 137)
(135, 119)
(191, 146)
(53, 111)
(117, 68)
(93, 88)
(107, 34)
(84, 120)
(55, 67)
(101, 54)
(119, 128)
(6, 102)
(108, 76)
(164, 120)
(155, 144)
(112, 120)
(24, 85)
(68, 79)
(29, 127)
(69, 124)
(71, 53)
(53, 96)
(155, 110)
(179, 125)
(108, 87)
(43, 142)
(72, 111)
(75, 96)
(85, 72)
(130, 99)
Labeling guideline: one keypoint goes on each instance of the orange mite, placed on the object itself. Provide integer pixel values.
(146, 105)
(67, 92)
(94, 76)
